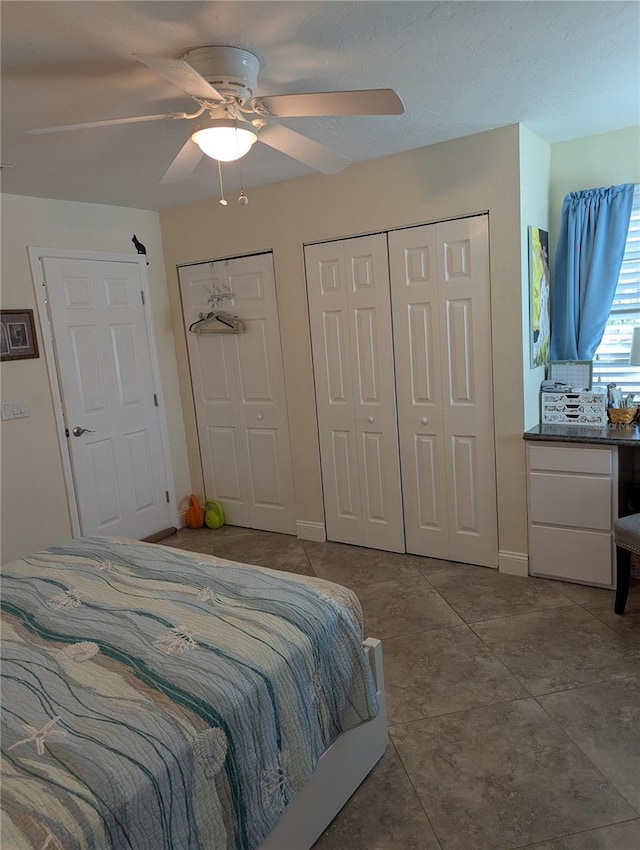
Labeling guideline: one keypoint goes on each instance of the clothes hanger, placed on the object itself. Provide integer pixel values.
(219, 322)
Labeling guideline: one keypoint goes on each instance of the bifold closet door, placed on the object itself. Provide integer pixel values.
(239, 394)
(350, 315)
(442, 337)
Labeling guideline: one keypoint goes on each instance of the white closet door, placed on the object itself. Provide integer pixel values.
(349, 306)
(443, 368)
(239, 394)
(416, 324)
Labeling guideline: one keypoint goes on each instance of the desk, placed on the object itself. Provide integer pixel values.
(579, 480)
(612, 435)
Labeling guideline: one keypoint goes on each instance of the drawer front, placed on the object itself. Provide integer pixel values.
(564, 553)
(583, 501)
(563, 458)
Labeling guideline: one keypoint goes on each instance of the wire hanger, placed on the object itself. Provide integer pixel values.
(218, 322)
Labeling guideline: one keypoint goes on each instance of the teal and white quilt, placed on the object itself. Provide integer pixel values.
(156, 699)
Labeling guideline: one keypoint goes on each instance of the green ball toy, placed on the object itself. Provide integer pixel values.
(213, 514)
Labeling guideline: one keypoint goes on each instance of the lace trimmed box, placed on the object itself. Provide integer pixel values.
(582, 408)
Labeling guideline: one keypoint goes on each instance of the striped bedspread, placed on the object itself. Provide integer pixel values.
(153, 698)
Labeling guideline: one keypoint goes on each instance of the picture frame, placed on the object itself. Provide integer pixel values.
(18, 340)
(539, 298)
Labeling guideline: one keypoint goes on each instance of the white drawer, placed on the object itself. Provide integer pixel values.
(565, 458)
(583, 501)
(564, 553)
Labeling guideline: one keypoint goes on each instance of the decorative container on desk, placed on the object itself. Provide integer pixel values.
(588, 407)
(622, 415)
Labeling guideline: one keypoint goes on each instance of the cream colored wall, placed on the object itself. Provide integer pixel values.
(535, 162)
(33, 508)
(451, 179)
(603, 160)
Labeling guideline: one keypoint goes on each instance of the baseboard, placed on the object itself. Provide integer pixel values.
(310, 531)
(513, 563)
(160, 535)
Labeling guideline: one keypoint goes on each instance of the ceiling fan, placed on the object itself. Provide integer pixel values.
(223, 82)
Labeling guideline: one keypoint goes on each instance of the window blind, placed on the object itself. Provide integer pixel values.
(611, 360)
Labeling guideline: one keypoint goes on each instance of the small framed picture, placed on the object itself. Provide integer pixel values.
(17, 335)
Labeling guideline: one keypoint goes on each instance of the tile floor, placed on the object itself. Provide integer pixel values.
(514, 703)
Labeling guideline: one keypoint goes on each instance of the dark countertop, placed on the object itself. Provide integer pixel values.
(611, 434)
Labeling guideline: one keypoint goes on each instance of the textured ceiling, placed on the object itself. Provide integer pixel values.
(565, 69)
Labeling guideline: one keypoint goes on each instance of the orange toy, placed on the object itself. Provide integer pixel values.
(195, 514)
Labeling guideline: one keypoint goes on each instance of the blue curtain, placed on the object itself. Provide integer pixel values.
(591, 245)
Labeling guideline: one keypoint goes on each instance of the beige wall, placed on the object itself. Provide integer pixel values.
(33, 507)
(603, 160)
(452, 179)
(503, 171)
(535, 162)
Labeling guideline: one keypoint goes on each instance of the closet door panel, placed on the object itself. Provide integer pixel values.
(431, 510)
(223, 449)
(464, 474)
(338, 368)
(220, 445)
(368, 302)
(331, 344)
(418, 367)
(262, 396)
(459, 332)
(346, 489)
(239, 393)
(465, 329)
(348, 288)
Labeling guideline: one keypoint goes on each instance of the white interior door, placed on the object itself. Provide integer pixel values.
(107, 384)
(349, 307)
(239, 393)
(416, 321)
(441, 300)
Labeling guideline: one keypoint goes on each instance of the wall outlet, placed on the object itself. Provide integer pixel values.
(14, 409)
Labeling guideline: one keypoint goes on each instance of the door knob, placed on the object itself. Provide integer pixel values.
(78, 431)
(259, 417)
(424, 420)
(371, 419)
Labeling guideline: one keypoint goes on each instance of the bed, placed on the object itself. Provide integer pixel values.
(154, 698)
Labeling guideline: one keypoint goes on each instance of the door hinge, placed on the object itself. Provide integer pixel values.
(166, 492)
(142, 295)
(155, 399)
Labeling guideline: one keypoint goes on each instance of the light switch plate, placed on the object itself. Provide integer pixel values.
(14, 409)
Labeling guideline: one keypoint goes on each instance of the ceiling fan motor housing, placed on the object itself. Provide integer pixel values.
(230, 70)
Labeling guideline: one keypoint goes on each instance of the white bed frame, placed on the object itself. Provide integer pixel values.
(340, 771)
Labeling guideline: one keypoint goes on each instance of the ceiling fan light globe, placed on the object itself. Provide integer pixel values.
(225, 144)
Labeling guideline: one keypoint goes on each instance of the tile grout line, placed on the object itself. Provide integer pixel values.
(460, 711)
(573, 834)
(575, 743)
(415, 791)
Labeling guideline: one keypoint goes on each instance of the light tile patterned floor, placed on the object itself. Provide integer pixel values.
(514, 703)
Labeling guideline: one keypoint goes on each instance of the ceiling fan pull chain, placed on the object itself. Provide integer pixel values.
(242, 200)
(222, 200)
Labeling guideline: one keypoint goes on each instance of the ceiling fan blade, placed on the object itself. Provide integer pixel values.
(106, 123)
(305, 150)
(181, 74)
(184, 163)
(362, 102)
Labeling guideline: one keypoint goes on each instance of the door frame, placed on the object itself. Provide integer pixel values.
(36, 255)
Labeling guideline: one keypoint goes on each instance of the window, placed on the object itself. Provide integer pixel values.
(611, 360)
